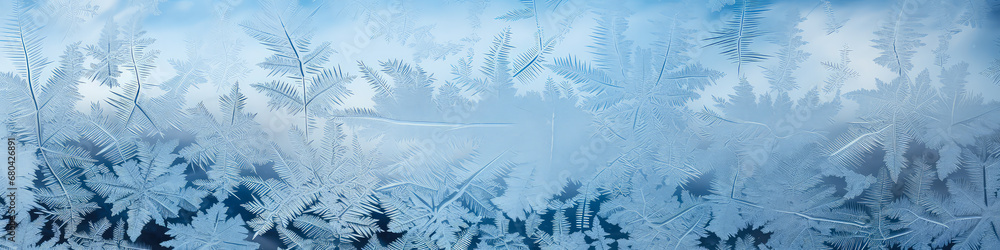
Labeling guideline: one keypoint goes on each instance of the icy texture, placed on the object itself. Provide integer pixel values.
(548, 124)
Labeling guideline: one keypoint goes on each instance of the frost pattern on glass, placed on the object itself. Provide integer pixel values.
(501, 124)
